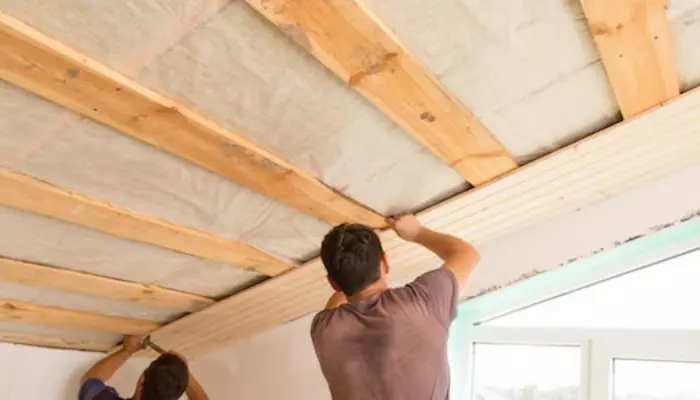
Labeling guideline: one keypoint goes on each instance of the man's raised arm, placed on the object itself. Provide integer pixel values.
(458, 256)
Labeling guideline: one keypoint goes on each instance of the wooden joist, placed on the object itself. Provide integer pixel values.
(635, 44)
(32, 195)
(31, 339)
(623, 156)
(14, 311)
(46, 67)
(348, 41)
(93, 285)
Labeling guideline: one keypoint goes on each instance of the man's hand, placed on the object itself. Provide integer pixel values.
(105, 368)
(132, 344)
(407, 226)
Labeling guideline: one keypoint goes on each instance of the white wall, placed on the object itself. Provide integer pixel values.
(32, 373)
(277, 364)
(280, 363)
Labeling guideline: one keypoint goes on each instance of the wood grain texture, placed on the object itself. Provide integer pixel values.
(45, 67)
(93, 285)
(14, 311)
(635, 44)
(598, 167)
(32, 195)
(31, 339)
(349, 41)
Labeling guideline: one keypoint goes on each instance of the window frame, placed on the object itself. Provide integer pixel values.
(599, 347)
(511, 338)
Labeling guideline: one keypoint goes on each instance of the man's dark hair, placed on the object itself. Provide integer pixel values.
(165, 379)
(352, 254)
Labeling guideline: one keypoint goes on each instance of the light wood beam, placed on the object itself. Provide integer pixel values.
(14, 311)
(619, 158)
(93, 285)
(32, 195)
(46, 67)
(635, 44)
(348, 41)
(31, 339)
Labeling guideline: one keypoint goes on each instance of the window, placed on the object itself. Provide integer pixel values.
(636, 300)
(515, 372)
(656, 380)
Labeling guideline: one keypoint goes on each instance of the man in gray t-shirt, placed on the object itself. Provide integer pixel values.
(388, 344)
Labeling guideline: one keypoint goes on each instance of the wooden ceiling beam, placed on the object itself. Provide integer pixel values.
(600, 166)
(93, 285)
(350, 42)
(14, 311)
(636, 48)
(48, 68)
(32, 195)
(54, 342)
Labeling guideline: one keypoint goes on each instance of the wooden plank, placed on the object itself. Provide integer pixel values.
(30, 194)
(14, 311)
(348, 41)
(43, 66)
(93, 285)
(31, 339)
(635, 44)
(624, 156)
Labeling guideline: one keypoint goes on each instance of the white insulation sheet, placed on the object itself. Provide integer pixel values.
(244, 73)
(527, 68)
(69, 334)
(34, 238)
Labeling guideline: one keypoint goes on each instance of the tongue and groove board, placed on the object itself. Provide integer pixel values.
(626, 155)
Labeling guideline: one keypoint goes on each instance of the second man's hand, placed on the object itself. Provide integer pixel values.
(132, 344)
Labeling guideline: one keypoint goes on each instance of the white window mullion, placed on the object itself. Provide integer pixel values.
(600, 371)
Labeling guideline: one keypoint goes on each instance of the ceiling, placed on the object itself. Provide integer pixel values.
(140, 205)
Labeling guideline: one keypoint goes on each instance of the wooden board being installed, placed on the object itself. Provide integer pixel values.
(347, 40)
(46, 67)
(623, 156)
(94, 285)
(29, 194)
(14, 311)
(636, 47)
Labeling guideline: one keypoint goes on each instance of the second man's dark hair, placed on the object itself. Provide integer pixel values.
(165, 379)
(352, 254)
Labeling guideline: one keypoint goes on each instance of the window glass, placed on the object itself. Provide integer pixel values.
(514, 372)
(637, 300)
(656, 380)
